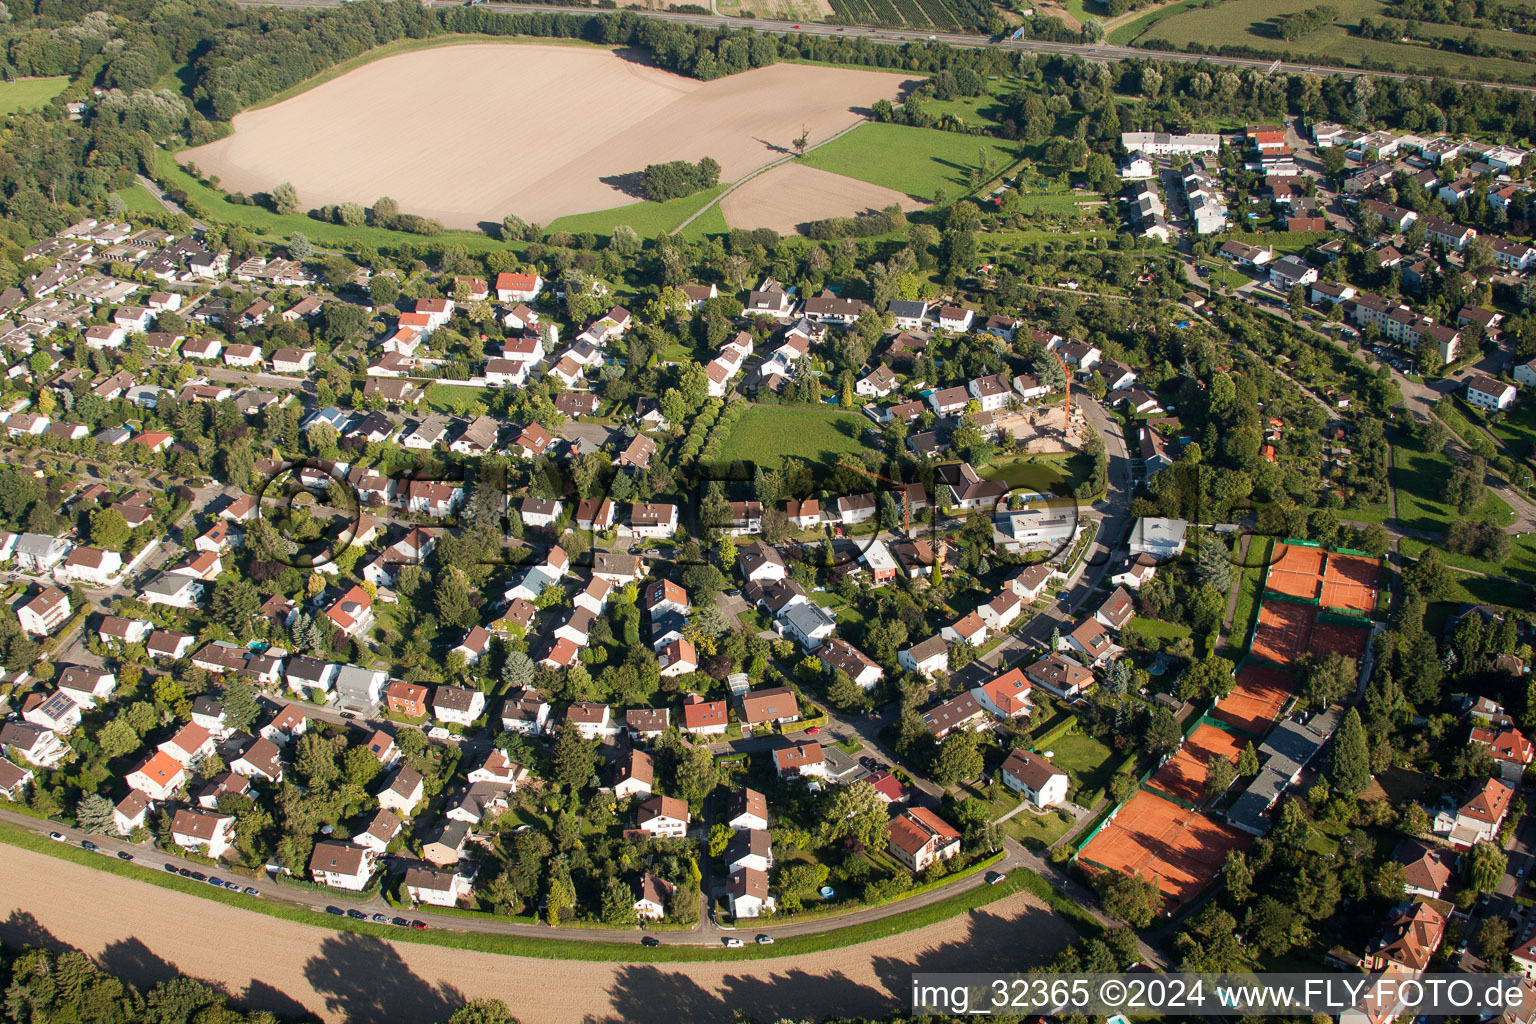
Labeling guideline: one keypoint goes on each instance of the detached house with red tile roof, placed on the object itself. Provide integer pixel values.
(352, 612)
(704, 717)
(1410, 940)
(518, 286)
(1007, 696)
(1511, 751)
(663, 816)
(1478, 818)
(918, 837)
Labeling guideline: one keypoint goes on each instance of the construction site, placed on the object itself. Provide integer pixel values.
(1043, 429)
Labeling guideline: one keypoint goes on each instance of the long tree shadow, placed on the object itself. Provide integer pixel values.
(22, 930)
(365, 981)
(261, 996)
(137, 964)
(631, 183)
(649, 995)
(994, 942)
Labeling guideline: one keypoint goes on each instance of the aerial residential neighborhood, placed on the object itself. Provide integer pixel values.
(737, 515)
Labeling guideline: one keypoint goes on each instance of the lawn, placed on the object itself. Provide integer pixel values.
(649, 219)
(29, 93)
(917, 161)
(1037, 831)
(1252, 23)
(1034, 473)
(138, 200)
(1158, 629)
(1520, 566)
(845, 613)
(1516, 427)
(1248, 579)
(1090, 763)
(450, 399)
(1419, 480)
(710, 222)
(767, 434)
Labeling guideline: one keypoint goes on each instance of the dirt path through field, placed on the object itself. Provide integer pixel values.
(147, 933)
(467, 134)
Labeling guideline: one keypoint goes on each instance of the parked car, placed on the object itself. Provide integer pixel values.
(336, 911)
(251, 890)
(57, 837)
(419, 925)
(650, 940)
(765, 940)
(198, 876)
(232, 886)
(171, 868)
(994, 877)
(86, 844)
(380, 919)
(357, 915)
(400, 922)
(124, 855)
(733, 943)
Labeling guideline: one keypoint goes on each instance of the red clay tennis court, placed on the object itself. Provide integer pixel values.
(1295, 571)
(1350, 582)
(1255, 702)
(1184, 774)
(1180, 850)
(1282, 631)
(1350, 641)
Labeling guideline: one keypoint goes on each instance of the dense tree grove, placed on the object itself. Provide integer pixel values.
(678, 178)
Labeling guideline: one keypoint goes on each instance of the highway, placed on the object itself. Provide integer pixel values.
(897, 37)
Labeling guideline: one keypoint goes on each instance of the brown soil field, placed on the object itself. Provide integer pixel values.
(468, 134)
(792, 194)
(145, 933)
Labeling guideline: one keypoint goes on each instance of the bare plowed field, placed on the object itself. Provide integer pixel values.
(793, 194)
(146, 933)
(470, 133)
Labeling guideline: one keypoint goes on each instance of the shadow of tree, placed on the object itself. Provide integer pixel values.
(136, 963)
(22, 930)
(261, 996)
(992, 941)
(631, 183)
(649, 995)
(364, 980)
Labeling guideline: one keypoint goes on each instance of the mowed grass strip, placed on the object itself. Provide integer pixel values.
(647, 218)
(554, 947)
(768, 434)
(136, 199)
(710, 222)
(917, 161)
